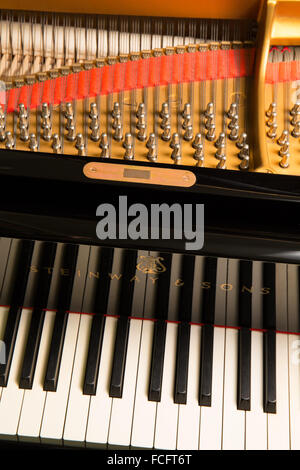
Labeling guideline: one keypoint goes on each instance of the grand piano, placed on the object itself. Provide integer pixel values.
(142, 344)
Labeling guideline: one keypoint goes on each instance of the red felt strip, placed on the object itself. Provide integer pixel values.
(95, 81)
(12, 99)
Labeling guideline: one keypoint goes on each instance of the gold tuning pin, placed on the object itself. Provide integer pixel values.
(283, 139)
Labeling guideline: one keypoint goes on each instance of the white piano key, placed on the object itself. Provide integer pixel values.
(144, 410)
(294, 356)
(34, 399)
(233, 419)
(278, 424)
(167, 410)
(100, 404)
(189, 414)
(12, 395)
(56, 402)
(256, 419)
(122, 408)
(78, 403)
(211, 416)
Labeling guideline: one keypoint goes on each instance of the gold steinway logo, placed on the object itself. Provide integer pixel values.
(151, 265)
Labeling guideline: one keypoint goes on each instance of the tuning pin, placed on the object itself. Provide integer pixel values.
(95, 134)
(9, 143)
(174, 140)
(24, 134)
(295, 119)
(186, 110)
(232, 110)
(209, 110)
(116, 110)
(187, 122)
(128, 140)
(151, 141)
(272, 132)
(69, 123)
(71, 135)
(285, 161)
(199, 154)
(272, 120)
(176, 153)
(79, 145)
(56, 145)
(69, 111)
(283, 139)
(22, 110)
(2, 116)
(104, 145)
(220, 142)
(222, 163)
(284, 150)
(118, 135)
(142, 134)
(165, 122)
(141, 111)
(295, 109)
(47, 132)
(152, 154)
(220, 152)
(164, 110)
(211, 133)
(271, 110)
(244, 165)
(33, 146)
(141, 121)
(197, 141)
(45, 111)
(242, 140)
(93, 111)
(129, 153)
(2, 133)
(234, 122)
(188, 135)
(117, 121)
(244, 152)
(210, 120)
(296, 130)
(234, 133)
(166, 135)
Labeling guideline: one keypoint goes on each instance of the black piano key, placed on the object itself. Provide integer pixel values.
(56, 348)
(47, 256)
(159, 333)
(121, 341)
(65, 288)
(244, 370)
(206, 365)
(183, 335)
(157, 362)
(207, 335)
(269, 340)
(182, 363)
(244, 351)
(269, 345)
(119, 361)
(98, 323)
(17, 299)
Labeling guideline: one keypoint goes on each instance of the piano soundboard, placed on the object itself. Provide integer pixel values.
(127, 349)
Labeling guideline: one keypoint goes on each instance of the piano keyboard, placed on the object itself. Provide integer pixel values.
(170, 382)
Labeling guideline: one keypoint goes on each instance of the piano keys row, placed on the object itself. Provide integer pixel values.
(131, 382)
